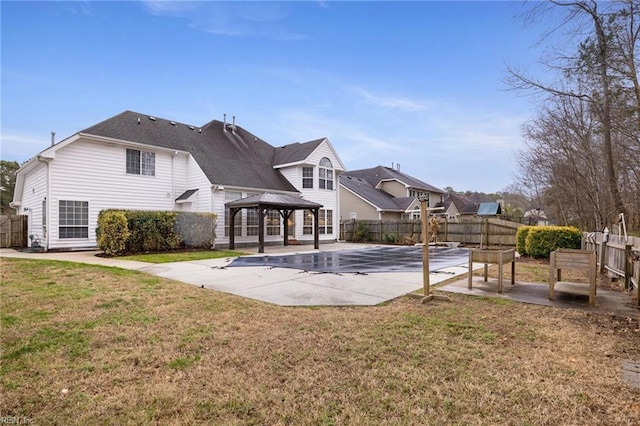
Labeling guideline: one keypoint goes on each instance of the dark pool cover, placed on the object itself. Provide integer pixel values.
(374, 259)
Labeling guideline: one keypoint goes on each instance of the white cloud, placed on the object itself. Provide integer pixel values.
(257, 19)
(385, 102)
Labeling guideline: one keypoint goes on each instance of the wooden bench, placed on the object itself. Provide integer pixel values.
(580, 260)
(499, 257)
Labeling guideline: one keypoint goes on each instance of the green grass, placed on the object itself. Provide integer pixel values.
(130, 348)
(182, 256)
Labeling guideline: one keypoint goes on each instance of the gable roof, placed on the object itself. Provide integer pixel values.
(378, 174)
(295, 152)
(375, 197)
(462, 204)
(226, 157)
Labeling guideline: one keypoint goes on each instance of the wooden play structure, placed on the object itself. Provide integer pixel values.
(580, 260)
(499, 257)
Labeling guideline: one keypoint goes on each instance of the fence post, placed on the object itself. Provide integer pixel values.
(603, 252)
(446, 228)
(628, 272)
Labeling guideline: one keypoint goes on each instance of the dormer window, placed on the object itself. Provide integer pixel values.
(325, 174)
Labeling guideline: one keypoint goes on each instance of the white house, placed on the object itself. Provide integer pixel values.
(137, 161)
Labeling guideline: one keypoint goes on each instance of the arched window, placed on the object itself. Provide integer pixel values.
(325, 174)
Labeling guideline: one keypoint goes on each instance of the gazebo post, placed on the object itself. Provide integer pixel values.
(285, 214)
(316, 229)
(261, 213)
(232, 228)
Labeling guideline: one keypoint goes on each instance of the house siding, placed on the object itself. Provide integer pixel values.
(96, 173)
(394, 188)
(328, 198)
(351, 203)
(34, 193)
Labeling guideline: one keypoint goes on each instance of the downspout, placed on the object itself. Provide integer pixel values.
(47, 202)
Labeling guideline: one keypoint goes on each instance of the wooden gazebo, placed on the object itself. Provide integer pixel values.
(283, 203)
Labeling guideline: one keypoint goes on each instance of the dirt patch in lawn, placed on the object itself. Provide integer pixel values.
(86, 344)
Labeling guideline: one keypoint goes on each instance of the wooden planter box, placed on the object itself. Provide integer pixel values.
(580, 260)
(496, 257)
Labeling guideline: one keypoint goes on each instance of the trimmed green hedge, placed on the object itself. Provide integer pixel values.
(542, 240)
(154, 230)
(521, 239)
(114, 232)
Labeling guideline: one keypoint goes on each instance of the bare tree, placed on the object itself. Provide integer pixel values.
(595, 105)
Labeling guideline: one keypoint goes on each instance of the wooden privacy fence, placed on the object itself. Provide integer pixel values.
(13, 231)
(617, 257)
(488, 232)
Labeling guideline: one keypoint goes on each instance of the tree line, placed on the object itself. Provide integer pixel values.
(582, 155)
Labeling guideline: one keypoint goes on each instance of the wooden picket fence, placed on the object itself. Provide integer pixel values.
(618, 257)
(13, 231)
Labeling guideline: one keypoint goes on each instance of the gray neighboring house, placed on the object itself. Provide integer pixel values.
(455, 205)
(138, 161)
(383, 193)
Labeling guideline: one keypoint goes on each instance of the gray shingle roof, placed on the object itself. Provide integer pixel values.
(295, 152)
(227, 158)
(380, 173)
(377, 197)
(274, 200)
(463, 204)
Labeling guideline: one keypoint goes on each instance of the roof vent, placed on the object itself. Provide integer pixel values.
(224, 123)
(192, 128)
(173, 123)
(152, 118)
(199, 130)
(138, 120)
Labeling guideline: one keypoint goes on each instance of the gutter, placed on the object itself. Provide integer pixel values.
(47, 200)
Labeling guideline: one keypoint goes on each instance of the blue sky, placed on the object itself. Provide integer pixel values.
(414, 83)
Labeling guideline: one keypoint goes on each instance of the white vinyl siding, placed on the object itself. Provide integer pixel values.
(95, 172)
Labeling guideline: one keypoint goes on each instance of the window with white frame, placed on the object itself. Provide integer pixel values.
(325, 174)
(272, 221)
(415, 215)
(141, 162)
(252, 222)
(325, 222)
(73, 219)
(307, 177)
(307, 222)
(232, 196)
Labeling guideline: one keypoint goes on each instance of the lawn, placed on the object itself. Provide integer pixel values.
(86, 344)
(182, 256)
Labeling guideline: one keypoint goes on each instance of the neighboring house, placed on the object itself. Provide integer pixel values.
(456, 205)
(536, 216)
(383, 193)
(137, 161)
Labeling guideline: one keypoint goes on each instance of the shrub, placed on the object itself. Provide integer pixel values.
(521, 239)
(156, 230)
(391, 238)
(112, 232)
(541, 241)
(361, 233)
